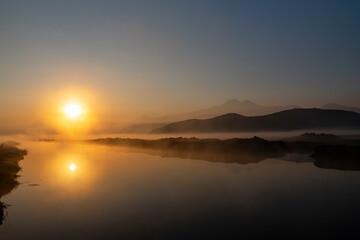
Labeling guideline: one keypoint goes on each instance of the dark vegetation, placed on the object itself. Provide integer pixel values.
(337, 157)
(315, 137)
(321, 147)
(9, 168)
(232, 150)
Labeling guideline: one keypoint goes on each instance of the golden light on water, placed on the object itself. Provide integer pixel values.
(73, 110)
(72, 169)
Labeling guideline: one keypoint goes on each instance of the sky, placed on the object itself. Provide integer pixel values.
(131, 58)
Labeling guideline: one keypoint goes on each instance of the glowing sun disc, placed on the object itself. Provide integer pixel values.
(73, 110)
(72, 167)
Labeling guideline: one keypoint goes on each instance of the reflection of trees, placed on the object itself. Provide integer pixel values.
(2, 213)
(241, 158)
(339, 155)
(231, 150)
(9, 168)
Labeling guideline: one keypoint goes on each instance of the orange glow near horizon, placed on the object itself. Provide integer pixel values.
(71, 113)
(73, 118)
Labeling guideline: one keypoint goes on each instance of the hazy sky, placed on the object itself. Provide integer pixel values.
(169, 56)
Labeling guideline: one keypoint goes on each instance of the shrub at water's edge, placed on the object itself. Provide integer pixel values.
(9, 168)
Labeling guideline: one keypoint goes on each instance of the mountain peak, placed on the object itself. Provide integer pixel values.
(235, 102)
(247, 102)
(232, 101)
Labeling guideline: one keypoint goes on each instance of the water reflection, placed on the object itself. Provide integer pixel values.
(9, 168)
(337, 157)
(65, 168)
(113, 194)
(225, 157)
(70, 169)
(237, 150)
(342, 155)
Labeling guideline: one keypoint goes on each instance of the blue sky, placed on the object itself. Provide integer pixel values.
(169, 56)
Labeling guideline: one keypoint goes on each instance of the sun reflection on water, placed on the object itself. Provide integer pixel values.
(71, 170)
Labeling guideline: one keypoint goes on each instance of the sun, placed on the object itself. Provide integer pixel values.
(73, 110)
(72, 167)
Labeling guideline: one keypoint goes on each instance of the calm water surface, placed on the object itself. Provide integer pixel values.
(117, 194)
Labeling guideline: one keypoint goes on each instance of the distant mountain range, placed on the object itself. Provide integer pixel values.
(335, 106)
(141, 127)
(288, 120)
(145, 124)
(245, 108)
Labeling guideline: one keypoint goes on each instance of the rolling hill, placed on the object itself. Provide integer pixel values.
(288, 120)
(335, 106)
(245, 107)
